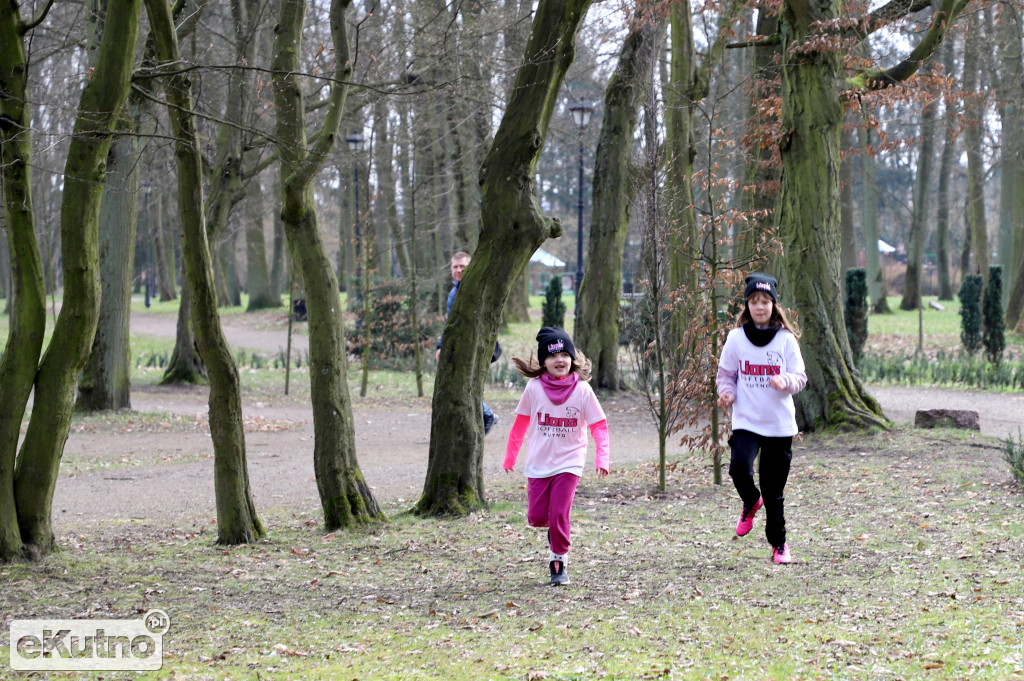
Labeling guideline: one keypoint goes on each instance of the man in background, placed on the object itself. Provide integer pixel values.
(458, 264)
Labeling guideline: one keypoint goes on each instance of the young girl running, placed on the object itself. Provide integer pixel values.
(759, 372)
(559, 404)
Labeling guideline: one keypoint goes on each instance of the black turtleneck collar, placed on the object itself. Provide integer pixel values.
(759, 337)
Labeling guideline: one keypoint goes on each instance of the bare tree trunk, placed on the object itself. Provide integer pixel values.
(597, 320)
(279, 253)
(384, 149)
(163, 261)
(877, 292)
(848, 253)
(513, 228)
(1011, 171)
(237, 521)
(101, 104)
(942, 253)
(261, 295)
(344, 495)
(973, 140)
(919, 222)
(761, 176)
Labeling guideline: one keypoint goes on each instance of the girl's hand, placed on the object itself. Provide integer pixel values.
(602, 472)
(509, 470)
(726, 400)
(778, 383)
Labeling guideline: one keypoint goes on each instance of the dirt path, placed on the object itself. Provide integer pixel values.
(128, 471)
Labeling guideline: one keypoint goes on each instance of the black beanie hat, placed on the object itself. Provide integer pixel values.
(764, 283)
(551, 340)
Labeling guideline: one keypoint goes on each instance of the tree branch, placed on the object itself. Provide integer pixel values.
(26, 27)
(879, 79)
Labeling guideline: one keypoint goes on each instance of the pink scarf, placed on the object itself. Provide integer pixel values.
(558, 390)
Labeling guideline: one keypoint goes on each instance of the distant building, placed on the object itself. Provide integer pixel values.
(542, 267)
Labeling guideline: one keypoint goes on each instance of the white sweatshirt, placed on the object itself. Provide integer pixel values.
(745, 371)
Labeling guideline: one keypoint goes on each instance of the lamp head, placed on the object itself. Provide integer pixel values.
(581, 112)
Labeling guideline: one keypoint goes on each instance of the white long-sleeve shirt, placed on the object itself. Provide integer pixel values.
(745, 371)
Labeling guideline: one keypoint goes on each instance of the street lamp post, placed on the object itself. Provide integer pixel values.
(581, 112)
(357, 144)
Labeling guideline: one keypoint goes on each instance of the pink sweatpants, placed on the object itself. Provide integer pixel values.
(549, 501)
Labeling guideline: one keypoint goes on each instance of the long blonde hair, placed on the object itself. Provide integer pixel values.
(532, 368)
(778, 317)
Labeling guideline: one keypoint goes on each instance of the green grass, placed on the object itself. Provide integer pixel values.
(907, 551)
(940, 327)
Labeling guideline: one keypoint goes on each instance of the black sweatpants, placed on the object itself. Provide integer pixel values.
(776, 457)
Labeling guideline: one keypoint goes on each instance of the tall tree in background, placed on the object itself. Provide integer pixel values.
(942, 207)
(848, 252)
(974, 113)
(513, 228)
(761, 175)
(689, 82)
(35, 476)
(919, 220)
(1010, 107)
(237, 521)
(597, 320)
(344, 494)
(809, 200)
(877, 288)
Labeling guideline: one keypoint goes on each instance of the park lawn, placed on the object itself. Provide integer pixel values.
(898, 332)
(908, 550)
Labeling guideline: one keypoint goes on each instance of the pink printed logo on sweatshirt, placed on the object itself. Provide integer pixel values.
(556, 422)
(749, 369)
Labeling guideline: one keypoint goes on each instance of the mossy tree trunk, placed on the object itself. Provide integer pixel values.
(809, 217)
(101, 104)
(597, 321)
(344, 495)
(106, 379)
(28, 313)
(513, 228)
(237, 521)
(809, 203)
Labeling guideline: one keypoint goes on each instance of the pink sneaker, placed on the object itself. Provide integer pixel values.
(746, 521)
(781, 556)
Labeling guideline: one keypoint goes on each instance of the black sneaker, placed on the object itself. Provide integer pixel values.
(490, 422)
(558, 574)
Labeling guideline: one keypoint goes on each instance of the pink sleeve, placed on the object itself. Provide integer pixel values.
(599, 431)
(515, 440)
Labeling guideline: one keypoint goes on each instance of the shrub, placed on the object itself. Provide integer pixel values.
(1013, 450)
(856, 310)
(390, 326)
(994, 325)
(553, 308)
(970, 313)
